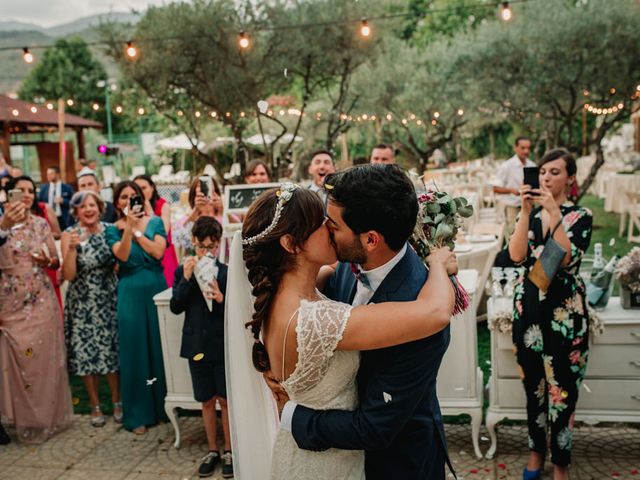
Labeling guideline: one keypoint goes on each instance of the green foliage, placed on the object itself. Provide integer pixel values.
(444, 18)
(68, 70)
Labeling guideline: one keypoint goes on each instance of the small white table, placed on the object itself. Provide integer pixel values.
(176, 369)
(610, 391)
(460, 379)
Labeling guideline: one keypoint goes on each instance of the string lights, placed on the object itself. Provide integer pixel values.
(365, 29)
(131, 51)
(27, 55)
(243, 40)
(603, 110)
(506, 13)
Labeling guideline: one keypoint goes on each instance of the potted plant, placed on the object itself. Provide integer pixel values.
(628, 274)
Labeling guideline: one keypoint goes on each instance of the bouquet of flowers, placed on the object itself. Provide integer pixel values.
(628, 270)
(439, 218)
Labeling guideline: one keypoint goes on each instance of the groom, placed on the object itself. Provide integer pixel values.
(371, 213)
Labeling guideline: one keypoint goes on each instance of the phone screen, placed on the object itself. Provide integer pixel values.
(206, 186)
(531, 177)
(15, 195)
(136, 203)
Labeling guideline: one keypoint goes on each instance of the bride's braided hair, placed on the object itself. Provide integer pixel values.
(266, 260)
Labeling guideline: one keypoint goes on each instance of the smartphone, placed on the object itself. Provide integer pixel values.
(136, 203)
(531, 177)
(206, 186)
(15, 195)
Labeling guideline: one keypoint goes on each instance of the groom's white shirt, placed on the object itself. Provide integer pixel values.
(362, 297)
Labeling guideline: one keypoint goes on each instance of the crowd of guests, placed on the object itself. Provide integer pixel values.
(117, 257)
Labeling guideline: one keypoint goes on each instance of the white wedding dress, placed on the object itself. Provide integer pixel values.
(324, 378)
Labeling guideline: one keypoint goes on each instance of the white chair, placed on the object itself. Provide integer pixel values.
(137, 170)
(632, 208)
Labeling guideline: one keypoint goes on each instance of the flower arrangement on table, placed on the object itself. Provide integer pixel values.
(628, 274)
(439, 218)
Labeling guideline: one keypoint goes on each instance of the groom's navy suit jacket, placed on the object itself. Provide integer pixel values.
(398, 421)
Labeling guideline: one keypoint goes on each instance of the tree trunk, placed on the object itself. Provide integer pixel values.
(593, 172)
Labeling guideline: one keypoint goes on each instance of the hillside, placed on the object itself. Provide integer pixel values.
(13, 69)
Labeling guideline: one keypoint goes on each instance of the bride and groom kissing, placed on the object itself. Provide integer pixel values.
(356, 348)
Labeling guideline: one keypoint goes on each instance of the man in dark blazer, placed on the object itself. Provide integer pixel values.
(371, 213)
(57, 195)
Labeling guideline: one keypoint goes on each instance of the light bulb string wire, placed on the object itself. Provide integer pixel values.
(266, 28)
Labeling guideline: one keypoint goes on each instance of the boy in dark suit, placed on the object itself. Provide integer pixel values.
(203, 340)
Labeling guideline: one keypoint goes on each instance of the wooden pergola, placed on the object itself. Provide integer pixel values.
(18, 117)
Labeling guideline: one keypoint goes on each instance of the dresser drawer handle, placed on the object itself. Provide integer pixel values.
(636, 397)
(635, 363)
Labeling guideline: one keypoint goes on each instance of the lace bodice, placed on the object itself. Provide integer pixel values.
(324, 378)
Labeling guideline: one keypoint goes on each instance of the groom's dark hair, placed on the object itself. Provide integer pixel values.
(376, 197)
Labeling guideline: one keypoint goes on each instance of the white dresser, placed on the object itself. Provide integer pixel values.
(611, 389)
(176, 369)
(460, 380)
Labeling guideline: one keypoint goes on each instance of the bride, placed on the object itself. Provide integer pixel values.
(308, 342)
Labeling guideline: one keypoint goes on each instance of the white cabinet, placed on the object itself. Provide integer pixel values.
(460, 379)
(610, 391)
(176, 369)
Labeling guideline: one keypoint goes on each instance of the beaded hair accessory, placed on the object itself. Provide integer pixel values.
(284, 194)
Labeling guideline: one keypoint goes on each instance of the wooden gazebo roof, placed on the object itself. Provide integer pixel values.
(26, 117)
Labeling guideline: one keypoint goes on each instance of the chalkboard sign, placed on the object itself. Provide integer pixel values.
(238, 198)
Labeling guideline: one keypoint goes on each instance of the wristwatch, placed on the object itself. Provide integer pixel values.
(137, 233)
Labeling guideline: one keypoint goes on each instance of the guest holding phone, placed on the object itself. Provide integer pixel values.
(550, 329)
(138, 241)
(204, 202)
(91, 327)
(34, 387)
(156, 205)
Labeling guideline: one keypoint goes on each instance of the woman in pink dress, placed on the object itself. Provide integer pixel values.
(158, 206)
(34, 387)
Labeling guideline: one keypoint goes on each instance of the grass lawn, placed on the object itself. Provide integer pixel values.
(605, 228)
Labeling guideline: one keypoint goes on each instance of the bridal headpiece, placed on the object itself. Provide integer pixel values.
(284, 194)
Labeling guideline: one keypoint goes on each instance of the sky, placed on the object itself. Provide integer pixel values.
(49, 13)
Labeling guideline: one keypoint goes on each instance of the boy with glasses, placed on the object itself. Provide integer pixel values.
(203, 340)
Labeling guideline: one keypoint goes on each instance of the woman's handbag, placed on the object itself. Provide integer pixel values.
(548, 263)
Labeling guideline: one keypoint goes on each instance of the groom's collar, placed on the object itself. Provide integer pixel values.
(376, 275)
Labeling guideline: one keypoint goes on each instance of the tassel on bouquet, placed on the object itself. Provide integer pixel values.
(439, 218)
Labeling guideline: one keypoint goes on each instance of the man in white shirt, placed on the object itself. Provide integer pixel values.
(509, 180)
(321, 165)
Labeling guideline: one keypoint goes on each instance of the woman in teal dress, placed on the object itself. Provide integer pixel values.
(138, 242)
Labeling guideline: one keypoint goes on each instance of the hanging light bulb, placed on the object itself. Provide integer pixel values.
(118, 109)
(243, 40)
(460, 112)
(95, 107)
(506, 13)
(140, 111)
(365, 29)
(27, 55)
(131, 51)
(70, 102)
(34, 109)
(49, 106)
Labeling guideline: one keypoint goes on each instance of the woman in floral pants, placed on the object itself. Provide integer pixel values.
(550, 330)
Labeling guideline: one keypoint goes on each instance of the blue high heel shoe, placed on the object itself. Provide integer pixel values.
(531, 474)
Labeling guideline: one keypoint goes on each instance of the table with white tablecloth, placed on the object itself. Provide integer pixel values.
(615, 188)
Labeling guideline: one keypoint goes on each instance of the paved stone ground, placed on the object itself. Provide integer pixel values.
(111, 453)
